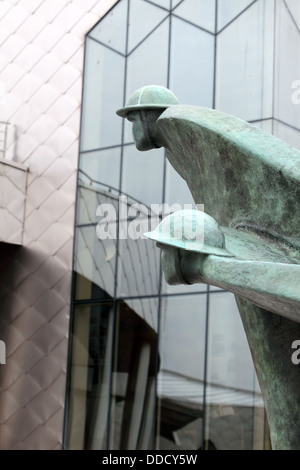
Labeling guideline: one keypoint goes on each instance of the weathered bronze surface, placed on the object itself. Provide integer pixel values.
(249, 183)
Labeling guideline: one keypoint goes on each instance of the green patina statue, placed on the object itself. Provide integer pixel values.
(246, 242)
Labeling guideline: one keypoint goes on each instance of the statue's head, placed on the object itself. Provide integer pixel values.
(187, 231)
(143, 108)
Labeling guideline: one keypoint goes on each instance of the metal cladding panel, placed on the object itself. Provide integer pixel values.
(42, 44)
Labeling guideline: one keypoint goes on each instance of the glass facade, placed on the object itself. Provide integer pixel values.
(154, 366)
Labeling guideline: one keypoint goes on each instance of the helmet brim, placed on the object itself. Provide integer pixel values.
(190, 246)
(124, 111)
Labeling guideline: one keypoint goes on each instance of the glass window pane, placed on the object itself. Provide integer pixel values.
(288, 134)
(244, 75)
(89, 376)
(294, 8)
(199, 12)
(138, 268)
(192, 64)
(266, 125)
(287, 67)
(144, 17)
(143, 173)
(133, 394)
(233, 397)
(178, 197)
(139, 260)
(181, 372)
(111, 30)
(146, 67)
(162, 3)
(175, 3)
(96, 238)
(229, 9)
(101, 169)
(102, 96)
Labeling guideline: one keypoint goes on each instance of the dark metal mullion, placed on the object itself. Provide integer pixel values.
(173, 8)
(115, 301)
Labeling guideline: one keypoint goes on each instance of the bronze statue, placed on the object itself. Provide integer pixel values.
(249, 183)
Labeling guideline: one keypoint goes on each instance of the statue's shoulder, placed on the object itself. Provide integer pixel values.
(181, 123)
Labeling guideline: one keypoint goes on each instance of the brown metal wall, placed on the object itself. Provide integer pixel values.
(41, 61)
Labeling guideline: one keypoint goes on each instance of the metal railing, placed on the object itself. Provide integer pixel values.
(3, 137)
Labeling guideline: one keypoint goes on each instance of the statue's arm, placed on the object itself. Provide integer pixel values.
(272, 286)
(269, 285)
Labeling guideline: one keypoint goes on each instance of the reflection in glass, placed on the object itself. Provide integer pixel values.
(102, 95)
(96, 234)
(181, 372)
(138, 267)
(192, 64)
(95, 261)
(234, 406)
(138, 263)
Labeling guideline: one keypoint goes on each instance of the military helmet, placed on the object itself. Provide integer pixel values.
(149, 97)
(191, 230)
